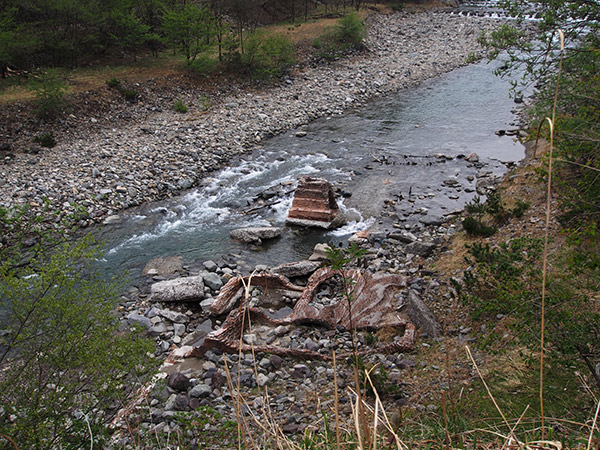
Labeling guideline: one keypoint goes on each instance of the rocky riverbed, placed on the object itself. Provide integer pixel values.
(120, 158)
(294, 390)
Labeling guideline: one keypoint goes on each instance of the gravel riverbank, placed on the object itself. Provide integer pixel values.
(106, 164)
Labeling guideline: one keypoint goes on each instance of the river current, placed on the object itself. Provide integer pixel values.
(389, 149)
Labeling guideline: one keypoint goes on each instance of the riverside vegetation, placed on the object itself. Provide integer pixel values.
(81, 376)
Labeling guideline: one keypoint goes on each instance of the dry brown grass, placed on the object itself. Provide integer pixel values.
(92, 79)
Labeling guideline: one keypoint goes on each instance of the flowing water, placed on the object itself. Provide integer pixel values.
(384, 150)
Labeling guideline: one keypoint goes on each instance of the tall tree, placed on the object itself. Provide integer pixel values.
(190, 27)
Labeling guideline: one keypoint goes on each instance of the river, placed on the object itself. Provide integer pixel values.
(401, 149)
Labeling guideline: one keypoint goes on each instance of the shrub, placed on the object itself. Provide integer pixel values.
(269, 55)
(231, 56)
(475, 227)
(180, 107)
(493, 207)
(346, 35)
(471, 58)
(204, 65)
(46, 140)
(204, 103)
(397, 6)
(130, 95)
(506, 280)
(62, 363)
(114, 83)
(350, 29)
(50, 90)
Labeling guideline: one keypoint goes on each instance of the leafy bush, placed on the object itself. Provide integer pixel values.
(507, 280)
(180, 107)
(50, 90)
(577, 133)
(350, 29)
(63, 364)
(471, 58)
(204, 65)
(130, 95)
(346, 35)
(269, 55)
(46, 140)
(204, 103)
(475, 227)
(493, 207)
(397, 6)
(114, 83)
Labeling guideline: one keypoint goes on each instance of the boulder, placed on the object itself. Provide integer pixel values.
(296, 269)
(473, 157)
(403, 236)
(314, 205)
(184, 289)
(134, 319)
(255, 234)
(421, 315)
(173, 316)
(178, 381)
(200, 391)
(432, 220)
(319, 253)
(423, 249)
(212, 280)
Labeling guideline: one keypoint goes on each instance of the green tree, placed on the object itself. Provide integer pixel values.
(50, 90)
(66, 29)
(269, 55)
(575, 111)
(190, 27)
(7, 38)
(129, 32)
(64, 367)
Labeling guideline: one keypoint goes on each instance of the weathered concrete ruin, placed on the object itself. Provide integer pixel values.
(372, 307)
(314, 205)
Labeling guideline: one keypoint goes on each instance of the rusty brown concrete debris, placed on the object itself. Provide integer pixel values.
(372, 307)
(233, 291)
(314, 205)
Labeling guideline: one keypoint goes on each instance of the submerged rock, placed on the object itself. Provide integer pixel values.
(163, 266)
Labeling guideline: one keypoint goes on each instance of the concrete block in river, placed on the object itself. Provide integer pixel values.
(314, 205)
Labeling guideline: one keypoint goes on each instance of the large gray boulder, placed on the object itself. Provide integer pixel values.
(212, 280)
(186, 289)
(296, 269)
(319, 253)
(255, 234)
(424, 249)
(421, 315)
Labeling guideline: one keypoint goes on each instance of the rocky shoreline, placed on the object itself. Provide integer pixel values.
(196, 387)
(107, 164)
